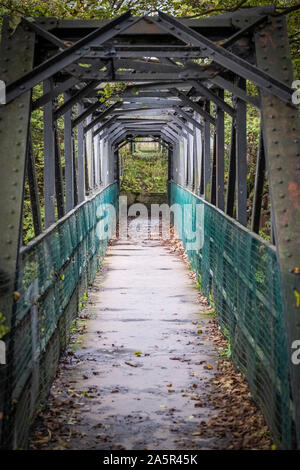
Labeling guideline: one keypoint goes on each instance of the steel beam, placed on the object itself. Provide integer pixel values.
(59, 186)
(33, 190)
(226, 59)
(100, 118)
(75, 99)
(49, 158)
(241, 158)
(80, 160)
(208, 94)
(188, 117)
(69, 161)
(206, 157)
(57, 90)
(16, 56)
(235, 90)
(195, 106)
(220, 155)
(90, 110)
(68, 56)
(259, 185)
(281, 131)
(231, 172)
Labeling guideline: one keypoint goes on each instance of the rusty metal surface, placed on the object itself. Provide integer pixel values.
(281, 130)
(16, 58)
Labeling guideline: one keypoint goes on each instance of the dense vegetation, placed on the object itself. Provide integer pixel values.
(140, 171)
(144, 171)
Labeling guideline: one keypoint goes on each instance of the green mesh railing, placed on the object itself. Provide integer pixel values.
(238, 272)
(54, 272)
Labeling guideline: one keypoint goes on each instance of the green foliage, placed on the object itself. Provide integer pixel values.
(3, 328)
(144, 172)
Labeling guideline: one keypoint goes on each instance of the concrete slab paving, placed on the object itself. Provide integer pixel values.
(141, 365)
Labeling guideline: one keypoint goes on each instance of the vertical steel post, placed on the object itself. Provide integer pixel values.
(206, 169)
(49, 157)
(220, 155)
(69, 160)
(241, 158)
(231, 172)
(198, 156)
(259, 185)
(89, 156)
(59, 185)
(16, 58)
(80, 160)
(213, 196)
(281, 131)
(33, 189)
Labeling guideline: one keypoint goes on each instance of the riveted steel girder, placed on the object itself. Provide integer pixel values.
(281, 131)
(16, 55)
(226, 58)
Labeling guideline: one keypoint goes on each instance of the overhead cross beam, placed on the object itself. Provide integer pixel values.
(195, 106)
(226, 58)
(99, 118)
(68, 56)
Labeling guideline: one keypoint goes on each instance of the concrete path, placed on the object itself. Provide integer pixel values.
(140, 369)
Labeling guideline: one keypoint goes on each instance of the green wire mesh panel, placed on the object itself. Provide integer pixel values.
(55, 270)
(239, 273)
